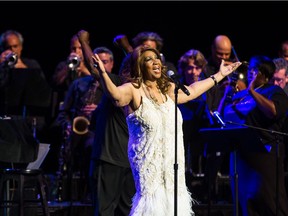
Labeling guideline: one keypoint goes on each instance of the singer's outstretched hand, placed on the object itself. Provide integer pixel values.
(226, 70)
(98, 63)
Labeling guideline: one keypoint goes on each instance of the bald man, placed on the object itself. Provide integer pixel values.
(221, 49)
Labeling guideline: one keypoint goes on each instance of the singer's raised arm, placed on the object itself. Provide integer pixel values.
(121, 95)
(199, 87)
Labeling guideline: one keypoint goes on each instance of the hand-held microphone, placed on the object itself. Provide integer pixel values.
(176, 80)
(219, 119)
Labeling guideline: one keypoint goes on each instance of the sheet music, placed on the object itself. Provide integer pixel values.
(42, 153)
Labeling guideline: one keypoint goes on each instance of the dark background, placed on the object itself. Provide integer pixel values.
(253, 27)
(47, 27)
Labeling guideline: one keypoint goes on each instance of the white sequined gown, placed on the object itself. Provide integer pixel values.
(151, 153)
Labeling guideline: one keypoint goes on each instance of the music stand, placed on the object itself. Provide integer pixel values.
(231, 139)
(26, 88)
(17, 144)
(26, 94)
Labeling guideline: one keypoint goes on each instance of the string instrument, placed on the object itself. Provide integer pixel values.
(237, 81)
(239, 74)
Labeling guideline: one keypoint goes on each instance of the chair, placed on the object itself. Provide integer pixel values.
(14, 187)
(15, 180)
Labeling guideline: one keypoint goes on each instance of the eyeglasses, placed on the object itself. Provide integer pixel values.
(278, 80)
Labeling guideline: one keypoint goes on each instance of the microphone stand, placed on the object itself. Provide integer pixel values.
(178, 86)
(175, 164)
(276, 133)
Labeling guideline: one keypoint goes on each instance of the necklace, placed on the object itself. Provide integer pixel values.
(152, 94)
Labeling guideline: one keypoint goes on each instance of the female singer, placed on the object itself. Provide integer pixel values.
(149, 100)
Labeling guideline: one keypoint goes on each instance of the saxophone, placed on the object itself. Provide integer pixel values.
(81, 123)
(63, 159)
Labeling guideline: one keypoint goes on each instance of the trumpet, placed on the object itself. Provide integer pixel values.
(73, 61)
(11, 59)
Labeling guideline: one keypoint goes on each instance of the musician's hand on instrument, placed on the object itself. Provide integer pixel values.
(67, 130)
(4, 54)
(253, 82)
(88, 109)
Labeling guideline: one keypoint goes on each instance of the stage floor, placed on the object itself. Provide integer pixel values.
(222, 206)
(80, 209)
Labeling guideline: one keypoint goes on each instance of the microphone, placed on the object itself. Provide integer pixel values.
(219, 119)
(176, 80)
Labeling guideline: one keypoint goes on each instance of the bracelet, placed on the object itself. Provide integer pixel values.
(214, 79)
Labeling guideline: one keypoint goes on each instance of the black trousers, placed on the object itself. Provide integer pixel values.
(113, 189)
